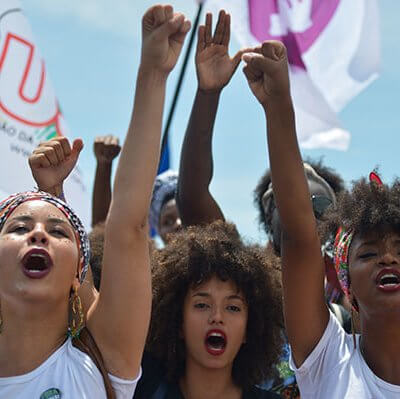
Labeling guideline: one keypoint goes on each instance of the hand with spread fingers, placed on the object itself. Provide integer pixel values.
(163, 33)
(267, 71)
(106, 148)
(52, 161)
(214, 66)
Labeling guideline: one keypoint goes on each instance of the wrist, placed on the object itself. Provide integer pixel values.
(56, 191)
(152, 75)
(279, 101)
(209, 92)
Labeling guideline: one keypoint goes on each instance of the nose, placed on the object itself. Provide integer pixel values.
(388, 258)
(38, 236)
(216, 316)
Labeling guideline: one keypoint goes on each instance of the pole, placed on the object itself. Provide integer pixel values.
(180, 80)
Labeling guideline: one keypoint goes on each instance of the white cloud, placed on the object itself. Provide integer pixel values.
(120, 17)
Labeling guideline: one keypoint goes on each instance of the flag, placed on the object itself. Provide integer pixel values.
(333, 51)
(29, 111)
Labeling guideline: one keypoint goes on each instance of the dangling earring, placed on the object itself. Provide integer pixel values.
(77, 317)
(353, 323)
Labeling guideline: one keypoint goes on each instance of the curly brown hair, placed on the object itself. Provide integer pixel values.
(367, 206)
(328, 174)
(193, 257)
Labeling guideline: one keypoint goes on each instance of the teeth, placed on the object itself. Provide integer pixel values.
(389, 279)
(215, 334)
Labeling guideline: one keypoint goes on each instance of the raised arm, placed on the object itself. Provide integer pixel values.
(214, 70)
(120, 318)
(306, 315)
(105, 148)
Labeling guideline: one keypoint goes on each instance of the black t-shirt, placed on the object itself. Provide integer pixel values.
(153, 385)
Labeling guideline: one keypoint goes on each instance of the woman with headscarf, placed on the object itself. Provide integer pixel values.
(328, 362)
(45, 350)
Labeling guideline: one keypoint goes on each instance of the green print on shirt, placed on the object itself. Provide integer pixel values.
(52, 393)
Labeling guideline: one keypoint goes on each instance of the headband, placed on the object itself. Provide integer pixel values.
(165, 186)
(342, 245)
(8, 206)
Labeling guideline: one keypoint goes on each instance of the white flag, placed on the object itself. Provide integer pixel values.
(29, 112)
(334, 53)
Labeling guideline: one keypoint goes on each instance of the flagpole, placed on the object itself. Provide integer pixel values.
(180, 80)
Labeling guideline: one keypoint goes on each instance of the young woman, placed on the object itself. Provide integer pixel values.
(44, 256)
(328, 362)
(216, 327)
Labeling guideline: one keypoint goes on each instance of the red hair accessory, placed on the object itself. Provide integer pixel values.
(373, 177)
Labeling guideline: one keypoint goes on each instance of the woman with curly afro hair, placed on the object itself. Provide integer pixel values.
(216, 328)
(328, 362)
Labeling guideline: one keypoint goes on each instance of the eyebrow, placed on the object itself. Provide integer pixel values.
(206, 295)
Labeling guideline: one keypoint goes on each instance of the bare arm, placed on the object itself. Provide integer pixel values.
(119, 320)
(214, 70)
(306, 314)
(106, 148)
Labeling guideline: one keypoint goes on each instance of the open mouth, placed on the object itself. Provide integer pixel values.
(36, 263)
(215, 342)
(388, 279)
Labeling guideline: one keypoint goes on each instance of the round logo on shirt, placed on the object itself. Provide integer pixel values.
(52, 393)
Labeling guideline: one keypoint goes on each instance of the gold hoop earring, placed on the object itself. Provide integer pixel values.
(77, 317)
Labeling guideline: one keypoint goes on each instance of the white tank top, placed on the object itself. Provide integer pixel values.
(67, 374)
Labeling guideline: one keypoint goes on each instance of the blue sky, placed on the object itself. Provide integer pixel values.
(92, 50)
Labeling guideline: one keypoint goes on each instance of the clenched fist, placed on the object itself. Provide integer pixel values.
(52, 161)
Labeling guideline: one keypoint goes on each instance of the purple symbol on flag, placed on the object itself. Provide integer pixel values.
(297, 23)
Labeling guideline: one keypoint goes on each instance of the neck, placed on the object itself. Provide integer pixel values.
(30, 336)
(380, 346)
(200, 382)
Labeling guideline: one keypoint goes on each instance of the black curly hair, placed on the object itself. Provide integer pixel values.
(328, 174)
(367, 206)
(193, 257)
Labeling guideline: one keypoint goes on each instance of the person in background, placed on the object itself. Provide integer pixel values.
(106, 149)
(164, 214)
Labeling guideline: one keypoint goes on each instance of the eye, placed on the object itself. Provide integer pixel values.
(367, 255)
(19, 229)
(58, 233)
(233, 308)
(201, 305)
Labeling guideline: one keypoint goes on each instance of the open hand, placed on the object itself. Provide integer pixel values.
(163, 34)
(266, 71)
(106, 148)
(52, 161)
(214, 66)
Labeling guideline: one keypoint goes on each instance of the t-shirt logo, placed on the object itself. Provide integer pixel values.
(52, 393)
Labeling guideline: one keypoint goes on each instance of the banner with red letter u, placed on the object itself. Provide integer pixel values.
(333, 49)
(29, 111)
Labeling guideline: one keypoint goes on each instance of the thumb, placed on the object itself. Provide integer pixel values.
(77, 147)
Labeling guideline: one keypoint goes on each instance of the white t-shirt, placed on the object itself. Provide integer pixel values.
(334, 370)
(67, 374)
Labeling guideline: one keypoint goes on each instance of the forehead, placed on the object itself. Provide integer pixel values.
(216, 287)
(39, 210)
(378, 235)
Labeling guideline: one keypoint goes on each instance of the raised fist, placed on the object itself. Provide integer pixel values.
(52, 161)
(106, 148)
(267, 71)
(163, 34)
(213, 64)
